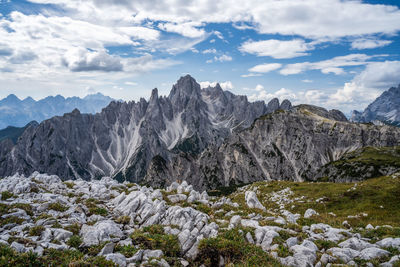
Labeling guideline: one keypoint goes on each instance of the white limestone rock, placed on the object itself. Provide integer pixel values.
(252, 201)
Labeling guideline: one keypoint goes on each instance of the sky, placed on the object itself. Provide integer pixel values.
(331, 53)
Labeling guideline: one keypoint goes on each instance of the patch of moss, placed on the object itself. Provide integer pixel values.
(57, 207)
(123, 219)
(128, 250)
(74, 228)
(6, 195)
(74, 241)
(11, 219)
(36, 230)
(153, 237)
(232, 246)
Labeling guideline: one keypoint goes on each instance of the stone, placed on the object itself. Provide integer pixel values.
(310, 212)
(117, 258)
(18, 247)
(100, 232)
(291, 241)
(372, 253)
(252, 201)
(61, 234)
(234, 221)
(107, 249)
(369, 227)
(249, 238)
(344, 254)
(177, 198)
(389, 242)
(355, 243)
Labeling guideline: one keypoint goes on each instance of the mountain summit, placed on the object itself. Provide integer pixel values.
(386, 109)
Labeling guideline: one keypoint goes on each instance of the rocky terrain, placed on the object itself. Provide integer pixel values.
(45, 221)
(385, 109)
(19, 112)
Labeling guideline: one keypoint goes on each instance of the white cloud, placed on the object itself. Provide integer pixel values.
(83, 60)
(367, 43)
(188, 29)
(277, 48)
(223, 58)
(131, 83)
(334, 65)
(281, 94)
(264, 68)
(310, 18)
(367, 85)
(364, 88)
(209, 51)
(307, 81)
(250, 75)
(224, 85)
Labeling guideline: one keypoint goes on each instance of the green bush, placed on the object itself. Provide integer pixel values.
(98, 211)
(6, 195)
(11, 219)
(153, 237)
(74, 241)
(128, 251)
(233, 247)
(74, 228)
(36, 230)
(57, 207)
(123, 220)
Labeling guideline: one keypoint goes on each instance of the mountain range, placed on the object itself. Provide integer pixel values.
(385, 109)
(18, 113)
(209, 137)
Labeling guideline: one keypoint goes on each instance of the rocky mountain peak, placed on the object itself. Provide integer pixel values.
(154, 95)
(185, 87)
(386, 109)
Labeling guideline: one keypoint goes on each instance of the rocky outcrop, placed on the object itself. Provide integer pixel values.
(386, 109)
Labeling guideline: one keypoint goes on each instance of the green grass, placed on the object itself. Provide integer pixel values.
(74, 241)
(236, 251)
(153, 237)
(74, 228)
(36, 230)
(6, 195)
(339, 198)
(128, 251)
(57, 207)
(94, 208)
(51, 257)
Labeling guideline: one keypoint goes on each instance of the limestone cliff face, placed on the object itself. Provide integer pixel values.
(284, 145)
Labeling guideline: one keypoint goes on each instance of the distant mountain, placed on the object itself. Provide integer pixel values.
(16, 112)
(13, 133)
(385, 109)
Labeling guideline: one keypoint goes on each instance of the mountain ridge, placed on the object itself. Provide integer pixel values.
(208, 137)
(19, 112)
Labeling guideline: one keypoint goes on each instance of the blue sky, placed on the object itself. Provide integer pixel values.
(332, 53)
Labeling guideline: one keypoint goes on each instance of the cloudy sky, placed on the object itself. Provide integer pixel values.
(332, 53)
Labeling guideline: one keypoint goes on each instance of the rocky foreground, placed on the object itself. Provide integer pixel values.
(105, 223)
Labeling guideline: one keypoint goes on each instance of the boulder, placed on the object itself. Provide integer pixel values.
(252, 201)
